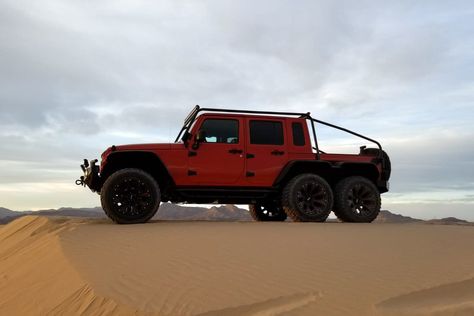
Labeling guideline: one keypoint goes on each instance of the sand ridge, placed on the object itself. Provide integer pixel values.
(36, 277)
(93, 267)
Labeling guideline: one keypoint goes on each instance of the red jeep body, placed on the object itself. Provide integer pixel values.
(229, 156)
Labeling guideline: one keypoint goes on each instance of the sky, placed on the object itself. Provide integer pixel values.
(79, 76)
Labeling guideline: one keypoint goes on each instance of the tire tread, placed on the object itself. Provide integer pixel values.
(340, 209)
(105, 205)
(288, 204)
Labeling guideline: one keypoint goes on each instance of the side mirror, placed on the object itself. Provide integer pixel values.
(200, 137)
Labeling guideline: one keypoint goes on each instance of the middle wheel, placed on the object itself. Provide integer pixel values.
(267, 212)
(307, 198)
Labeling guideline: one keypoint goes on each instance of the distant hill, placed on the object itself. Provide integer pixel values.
(389, 217)
(69, 211)
(6, 212)
(169, 211)
(7, 215)
(449, 221)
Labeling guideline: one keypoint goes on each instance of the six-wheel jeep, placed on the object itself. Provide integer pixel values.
(269, 160)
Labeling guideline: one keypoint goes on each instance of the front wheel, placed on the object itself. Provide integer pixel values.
(307, 198)
(130, 196)
(356, 200)
(268, 212)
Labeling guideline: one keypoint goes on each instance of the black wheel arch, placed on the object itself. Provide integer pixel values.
(144, 160)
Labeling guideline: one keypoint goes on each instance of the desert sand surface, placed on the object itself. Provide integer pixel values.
(65, 266)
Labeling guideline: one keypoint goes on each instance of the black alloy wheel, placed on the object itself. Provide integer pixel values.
(130, 196)
(307, 198)
(357, 200)
(267, 212)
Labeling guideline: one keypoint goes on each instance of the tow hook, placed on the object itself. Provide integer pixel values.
(90, 173)
(80, 181)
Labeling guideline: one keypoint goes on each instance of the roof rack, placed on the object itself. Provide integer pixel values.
(195, 111)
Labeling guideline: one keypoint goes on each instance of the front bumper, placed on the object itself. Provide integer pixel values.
(91, 177)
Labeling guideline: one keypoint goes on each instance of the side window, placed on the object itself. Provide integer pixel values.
(221, 131)
(266, 132)
(298, 134)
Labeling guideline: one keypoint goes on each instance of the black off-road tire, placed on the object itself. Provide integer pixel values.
(307, 198)
(130, 196)
(356, 200)
(340, 215)
(267, 212)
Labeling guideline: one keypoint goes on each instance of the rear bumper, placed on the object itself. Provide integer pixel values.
(91, 177)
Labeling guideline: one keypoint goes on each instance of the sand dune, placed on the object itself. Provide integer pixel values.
(93, 267)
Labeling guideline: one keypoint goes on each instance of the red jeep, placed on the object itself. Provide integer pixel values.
(269, 160)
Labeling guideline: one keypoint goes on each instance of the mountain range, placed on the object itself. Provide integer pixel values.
(169, 211)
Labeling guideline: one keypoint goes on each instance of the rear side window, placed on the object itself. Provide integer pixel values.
(266, 133)
(298, 134)
(221, 131)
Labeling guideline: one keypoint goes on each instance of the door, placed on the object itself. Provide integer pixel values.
(266, 150)
(219, 159)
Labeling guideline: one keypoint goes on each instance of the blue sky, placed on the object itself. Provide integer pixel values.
(76, 77)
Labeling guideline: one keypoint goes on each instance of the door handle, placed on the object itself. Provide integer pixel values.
(235, 151)
(277, 152)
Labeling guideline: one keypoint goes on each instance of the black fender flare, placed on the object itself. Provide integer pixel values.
(295, 167)
(145, 160)
(331, 172)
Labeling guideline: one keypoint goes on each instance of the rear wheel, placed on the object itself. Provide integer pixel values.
(307, 198)
(356, 200)
(130, 196)
(267, 212)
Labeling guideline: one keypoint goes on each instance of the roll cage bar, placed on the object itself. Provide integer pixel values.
(197, 109)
